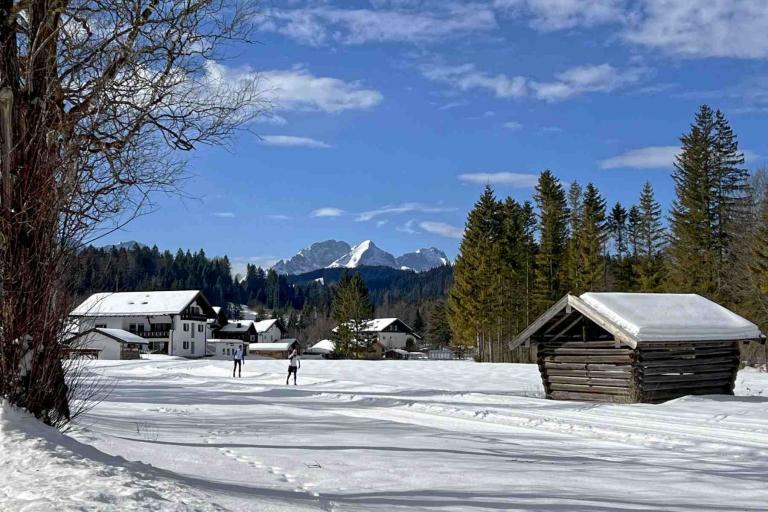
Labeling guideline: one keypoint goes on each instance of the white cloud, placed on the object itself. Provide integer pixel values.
(711, 28)
(589, 78)
(400, 208)
(224, 215)
(651, 157)
(550, 15)
(466, 77)
(327, 212)
(324, 25)
(381, 223)
(517, 180)
(279, 216)
(240, 263)
(407, 227)
(291, 141)
(442, 229)
(298, 89)
(513, 125)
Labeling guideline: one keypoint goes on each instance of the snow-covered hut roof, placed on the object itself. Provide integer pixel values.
(634, 318)
(264, 325)
(118, 335)
(379, 324)
(140, 303)
(237, 326)
(326, 346)
(270, 347)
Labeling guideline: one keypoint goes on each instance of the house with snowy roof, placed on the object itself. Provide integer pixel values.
(105, 343)
(637, 347)
(390, 333)
(172, 322)
(251, 331)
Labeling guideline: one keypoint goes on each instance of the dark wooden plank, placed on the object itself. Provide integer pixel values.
(682, 363)
(584, 366)
(685, 344)
(592, 374)
(618, 383)
(608, 390)
(586, 351)
(588, 397)
(673, 354)
(579, 344)
(625, 359)
(694, 377)
(698, 368)
(685, 385)
(663, 396)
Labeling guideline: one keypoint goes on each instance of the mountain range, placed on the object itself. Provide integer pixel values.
(338, 254)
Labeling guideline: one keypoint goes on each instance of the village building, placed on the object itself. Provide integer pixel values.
(250, 331)
(274, 350)
(637, 347)
(109, 344)
(172, 322)
(390, 333)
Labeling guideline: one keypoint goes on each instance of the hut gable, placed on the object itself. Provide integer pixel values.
(637, 347)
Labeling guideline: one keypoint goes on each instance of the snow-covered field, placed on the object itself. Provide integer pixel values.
(383, 435)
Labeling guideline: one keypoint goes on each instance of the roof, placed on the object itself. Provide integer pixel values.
(379, 324)
(270, 347)
(324, 346)
(634, 318)
(265, 325)
(118, 335)
(237, 326)
(140, 303)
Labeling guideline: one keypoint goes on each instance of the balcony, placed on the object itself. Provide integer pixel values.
(194, 316)
(153, 334)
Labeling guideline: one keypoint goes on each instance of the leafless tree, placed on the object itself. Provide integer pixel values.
(98, 100)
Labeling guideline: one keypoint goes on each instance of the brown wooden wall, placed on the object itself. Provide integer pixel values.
(670, 370)
(587, 370)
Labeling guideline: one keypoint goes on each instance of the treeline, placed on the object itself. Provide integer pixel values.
(517, 259)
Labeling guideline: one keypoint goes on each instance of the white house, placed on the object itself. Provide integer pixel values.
(173, 322)
(268, 331)
(110, 344)
(391, 333)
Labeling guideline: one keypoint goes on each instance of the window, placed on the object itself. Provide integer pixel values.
(252, 337)
(223, 351)
(193, 347)
(132, 327)
(140, 328)
(193, 331)
(185, 345)
(186, 327)
(200, 328)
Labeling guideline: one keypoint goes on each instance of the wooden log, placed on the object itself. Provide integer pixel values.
(722, 383)
(584, 366)
(579, 344)
(699, 368)
(662, 396)
(690, 377)
(618, 383)
(586, 351)
(608, 390)
(682, 363)
(671, 354)
(589, 359)
(685, 344)
(625, 374)
(588, 397)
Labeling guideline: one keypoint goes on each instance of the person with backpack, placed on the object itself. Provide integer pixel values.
(238, 357)
(293, 365)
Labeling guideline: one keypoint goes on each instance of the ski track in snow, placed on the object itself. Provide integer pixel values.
(389, 435)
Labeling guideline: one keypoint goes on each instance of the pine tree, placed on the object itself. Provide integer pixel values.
(418, 322)
(573, 262)
(438, 330)
(649, 266)
(471, 301)
(550, 259)
(692, 248)
(619, 234)
(591, 240)
(352, 309)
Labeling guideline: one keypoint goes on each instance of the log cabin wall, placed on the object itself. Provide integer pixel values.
(597, 370)
(669, 370)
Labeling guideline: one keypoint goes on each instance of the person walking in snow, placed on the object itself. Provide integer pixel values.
(293, 365)
(239, 357)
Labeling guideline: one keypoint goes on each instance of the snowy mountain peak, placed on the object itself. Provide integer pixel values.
(365, 253)
(336, 254)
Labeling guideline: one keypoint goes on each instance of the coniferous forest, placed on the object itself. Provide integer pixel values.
(517, 259)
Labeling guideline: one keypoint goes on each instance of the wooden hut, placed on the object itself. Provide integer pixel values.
(637, 347)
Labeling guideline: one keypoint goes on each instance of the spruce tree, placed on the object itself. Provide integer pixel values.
(591, 240)
(572, 263)
(619, 233)
(651, 238)
(550, 259)
(438, 330)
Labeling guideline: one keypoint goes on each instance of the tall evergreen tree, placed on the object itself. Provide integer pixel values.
(591, 240)
(572, 264)
(651, 238)
(550, 259)
(438, 330)
(618, 230)
(352, 309)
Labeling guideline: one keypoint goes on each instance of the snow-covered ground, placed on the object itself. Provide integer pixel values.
(383, 435)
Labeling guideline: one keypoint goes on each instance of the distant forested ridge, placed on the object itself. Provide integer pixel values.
(147, 268)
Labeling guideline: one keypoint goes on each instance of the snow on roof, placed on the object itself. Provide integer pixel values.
(136, 303)
(670, 317)
(264, 325)
(216, 309)
(324, 346)
(122, 336)
(270, 347)
(237, 326)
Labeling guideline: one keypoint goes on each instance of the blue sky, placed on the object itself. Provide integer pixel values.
(389, 116)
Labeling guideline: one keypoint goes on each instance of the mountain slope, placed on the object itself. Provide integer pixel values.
(317, 255)
(423, 259)
(365, 254)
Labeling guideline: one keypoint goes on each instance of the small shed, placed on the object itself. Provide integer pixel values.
(112, 344)
(637, 347)
(278, 350)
